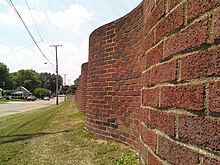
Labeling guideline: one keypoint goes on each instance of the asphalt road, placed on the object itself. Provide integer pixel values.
(17, 107)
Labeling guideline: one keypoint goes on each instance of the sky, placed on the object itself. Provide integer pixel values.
(54, 22)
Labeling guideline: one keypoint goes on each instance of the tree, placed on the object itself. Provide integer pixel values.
(27, 78)
(4, 76)
(76, 81)
(13, 79)
(30, 79)
(72, 89)
(41, 92)
(48, 81)
(45, 79)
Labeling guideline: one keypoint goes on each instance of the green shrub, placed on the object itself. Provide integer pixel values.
(41, 92)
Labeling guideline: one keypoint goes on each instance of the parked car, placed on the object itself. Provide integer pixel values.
(31, 98)
(7, 97)
(46, 98)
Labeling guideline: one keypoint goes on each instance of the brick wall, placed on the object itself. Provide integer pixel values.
(114, 72)
(81, 98)
(78, 93)
(153, 81)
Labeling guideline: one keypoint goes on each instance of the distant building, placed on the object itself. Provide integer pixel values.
(1, 92)
(20, 92)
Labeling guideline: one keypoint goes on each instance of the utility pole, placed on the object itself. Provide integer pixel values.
(56, 72)
(64, 76)
(69, 82)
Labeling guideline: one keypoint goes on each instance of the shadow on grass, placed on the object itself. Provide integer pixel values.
(23, 137)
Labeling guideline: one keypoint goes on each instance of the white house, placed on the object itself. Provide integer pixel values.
(20, 92)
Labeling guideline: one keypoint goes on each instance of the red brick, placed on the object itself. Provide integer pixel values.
(171, 4)
(176, 153)
(165, 72)
(197, 7)
(150, 97)
(142, 152)
(148, 41)
(154, 56)
(201, 65)
(170, 22)
(131, 93)
(144, 115)
(216, 19)
(211, 161)
(144, 78)
(162, 121)
(193, 36)
(114, 87)
(112, 31)
(149, 137)
(152, 160)
(214, 97)
(200, 130)
(155, 15)
(148, 5)
(188, 97)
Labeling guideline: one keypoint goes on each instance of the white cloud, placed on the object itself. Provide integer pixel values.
(25, 58)
(3, 2)
(4, 48)
(10, 17)
(71, 58)
(74, 17)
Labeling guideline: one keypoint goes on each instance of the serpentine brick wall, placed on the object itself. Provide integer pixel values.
(82, 86)
(153, 82)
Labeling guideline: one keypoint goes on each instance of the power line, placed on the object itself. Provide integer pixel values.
(16, 11)
(37, 27)
(56, 34)
(44, 27)
(53, 21)
(33, 19)
(50, 21)
(17, 50)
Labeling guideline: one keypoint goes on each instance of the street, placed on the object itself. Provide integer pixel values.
(16, 107)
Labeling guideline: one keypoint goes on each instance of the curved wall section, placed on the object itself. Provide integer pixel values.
(81, 96)
(153, 82)
(114, 79)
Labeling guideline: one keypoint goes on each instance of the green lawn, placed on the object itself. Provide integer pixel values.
(57, 135)
(2, 100)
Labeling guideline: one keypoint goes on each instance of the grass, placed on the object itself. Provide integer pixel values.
(3, 100)
(57, 135)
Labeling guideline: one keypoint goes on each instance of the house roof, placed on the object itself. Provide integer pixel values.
(21, 88)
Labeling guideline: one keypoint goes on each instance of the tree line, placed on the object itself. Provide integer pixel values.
(29, 79)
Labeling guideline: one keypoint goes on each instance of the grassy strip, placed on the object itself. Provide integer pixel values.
(56, 135)
(3, 100)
